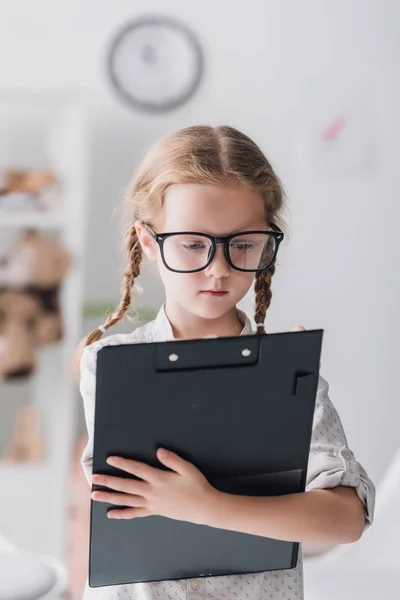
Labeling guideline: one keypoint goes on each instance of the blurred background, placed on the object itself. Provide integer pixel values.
(85, 88)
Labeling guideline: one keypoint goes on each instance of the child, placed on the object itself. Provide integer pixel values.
(215, 181)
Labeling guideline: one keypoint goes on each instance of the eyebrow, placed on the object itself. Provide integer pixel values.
(196, 229)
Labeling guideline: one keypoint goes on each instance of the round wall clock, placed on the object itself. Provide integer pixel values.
(155, 63)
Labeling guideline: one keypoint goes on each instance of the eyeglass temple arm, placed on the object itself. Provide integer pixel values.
(275, 227)
(150, 231)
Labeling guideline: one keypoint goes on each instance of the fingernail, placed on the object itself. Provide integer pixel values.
(162, 452)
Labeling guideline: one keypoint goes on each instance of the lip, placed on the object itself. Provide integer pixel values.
(215, 293)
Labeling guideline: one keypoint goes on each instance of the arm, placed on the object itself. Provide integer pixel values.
(336, 507)
(182, 492)
(86, 359)
(330, 515)
(85, 364)
(76, 361)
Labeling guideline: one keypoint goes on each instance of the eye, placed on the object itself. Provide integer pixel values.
(242, 245)
(191, 244)
(194, 246)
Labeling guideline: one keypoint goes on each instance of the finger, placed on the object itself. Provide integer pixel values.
(120, 484)
(128, 513)
(298, 328)
(175, 462)
(119, 499)
(141, 470)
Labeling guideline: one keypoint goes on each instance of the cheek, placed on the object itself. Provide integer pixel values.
(242, 282)
(179, 283)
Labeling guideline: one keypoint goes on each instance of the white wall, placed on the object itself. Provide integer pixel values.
(259, 54)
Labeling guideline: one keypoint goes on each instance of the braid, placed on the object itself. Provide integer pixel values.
(262, 288)
(132, 271)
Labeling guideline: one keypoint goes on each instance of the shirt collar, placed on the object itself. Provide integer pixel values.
(165, 332)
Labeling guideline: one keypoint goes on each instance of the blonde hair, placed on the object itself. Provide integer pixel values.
(198, 154)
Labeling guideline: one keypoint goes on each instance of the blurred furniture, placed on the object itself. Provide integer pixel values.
(370, 568)
(25, 577)
(47, 131)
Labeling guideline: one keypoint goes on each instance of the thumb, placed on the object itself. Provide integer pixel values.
(174, 462)
(298, 328)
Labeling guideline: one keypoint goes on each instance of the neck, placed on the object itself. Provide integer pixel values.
(186, 325)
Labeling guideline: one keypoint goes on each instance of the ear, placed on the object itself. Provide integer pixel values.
(149, 245)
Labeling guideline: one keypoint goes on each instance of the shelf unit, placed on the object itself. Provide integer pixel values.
(47, 131)
(35, 219)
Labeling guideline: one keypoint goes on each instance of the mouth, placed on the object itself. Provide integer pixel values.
(214, 293)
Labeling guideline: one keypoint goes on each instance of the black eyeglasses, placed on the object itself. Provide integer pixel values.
(190, 251)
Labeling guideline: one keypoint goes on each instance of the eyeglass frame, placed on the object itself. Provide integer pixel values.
(160, 238)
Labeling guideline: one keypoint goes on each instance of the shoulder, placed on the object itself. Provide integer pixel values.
(88, 356)
(323, 386)
(323, 399)
(327, 423)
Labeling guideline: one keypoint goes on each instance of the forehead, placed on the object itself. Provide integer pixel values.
(214, 209)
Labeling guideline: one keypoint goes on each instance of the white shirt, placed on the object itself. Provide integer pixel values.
(331, 463)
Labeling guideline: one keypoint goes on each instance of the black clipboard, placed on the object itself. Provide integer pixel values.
(241, 409)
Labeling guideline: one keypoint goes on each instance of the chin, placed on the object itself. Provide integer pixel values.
(211, 310)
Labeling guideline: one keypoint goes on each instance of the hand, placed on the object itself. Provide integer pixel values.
(298, 328)
(181, 493)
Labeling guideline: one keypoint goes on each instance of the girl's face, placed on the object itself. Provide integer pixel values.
(214, 210)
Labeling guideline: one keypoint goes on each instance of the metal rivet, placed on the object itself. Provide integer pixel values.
(173, 357)
(196, 584)
(246, 352)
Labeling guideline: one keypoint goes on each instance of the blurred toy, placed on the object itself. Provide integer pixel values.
(19, 313)
(50, 324)
(28, 181)
(37, 265)
(26, 444)
(30, 311)
(27, 189)
(36, 260)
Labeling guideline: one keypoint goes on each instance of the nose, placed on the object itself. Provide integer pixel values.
(219, 267)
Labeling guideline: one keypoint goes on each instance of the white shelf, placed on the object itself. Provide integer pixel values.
(31, 219)
(48, 132)
(12, 471)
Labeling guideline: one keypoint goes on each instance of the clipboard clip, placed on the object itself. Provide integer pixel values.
(207, 353)
(304, 383)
